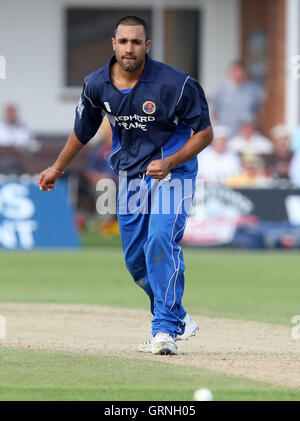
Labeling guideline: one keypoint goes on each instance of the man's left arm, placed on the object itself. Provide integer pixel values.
(192, 110)
(199, 141)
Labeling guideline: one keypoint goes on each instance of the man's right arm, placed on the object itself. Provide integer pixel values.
(87, 122)
(49, 176)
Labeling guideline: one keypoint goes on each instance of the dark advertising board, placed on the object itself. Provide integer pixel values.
(251, 218)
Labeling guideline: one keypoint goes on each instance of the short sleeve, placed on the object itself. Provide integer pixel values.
(192, 107)
(88, 116)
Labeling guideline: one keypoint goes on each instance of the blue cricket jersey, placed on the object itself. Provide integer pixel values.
(152, 121)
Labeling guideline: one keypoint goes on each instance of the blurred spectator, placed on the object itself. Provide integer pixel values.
(294, 171)
(97, 167)
(252, 174)
(216, 163)
(236, 97)
(249, 141)
(13, 132)
(278, 163)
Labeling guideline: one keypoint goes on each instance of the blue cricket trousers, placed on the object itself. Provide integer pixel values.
(152, 215)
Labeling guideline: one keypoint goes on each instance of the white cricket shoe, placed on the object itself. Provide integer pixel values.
(191, 328)
(164, 344)
(161, 344)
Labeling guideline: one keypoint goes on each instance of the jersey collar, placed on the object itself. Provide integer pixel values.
(148, 74)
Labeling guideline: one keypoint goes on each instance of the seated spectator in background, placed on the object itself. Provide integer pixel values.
(13, 132)
(216, 163)
(294, 170)
(252, 174)
(278, 163)
(249, 141)
(235, 98)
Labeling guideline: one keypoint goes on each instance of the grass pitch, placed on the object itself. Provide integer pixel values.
(39, 375)
(235, 284)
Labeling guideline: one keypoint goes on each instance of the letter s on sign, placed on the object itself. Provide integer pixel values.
(15, 204)
(296, 67)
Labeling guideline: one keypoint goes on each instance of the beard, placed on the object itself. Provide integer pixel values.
(130, 65)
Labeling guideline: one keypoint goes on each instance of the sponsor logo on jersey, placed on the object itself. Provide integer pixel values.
(133, 121)
(149, 107)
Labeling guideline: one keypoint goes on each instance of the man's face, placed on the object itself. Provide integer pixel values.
(219, 144)
(247, 129)
(237, 74)
(130, 47)
(282, 145)
(10, 114)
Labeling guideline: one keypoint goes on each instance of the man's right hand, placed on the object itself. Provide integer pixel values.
(48, 177)
(47, 180)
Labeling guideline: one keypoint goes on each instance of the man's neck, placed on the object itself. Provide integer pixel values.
(125, 80)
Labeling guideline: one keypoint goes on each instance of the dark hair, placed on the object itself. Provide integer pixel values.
(132, 21)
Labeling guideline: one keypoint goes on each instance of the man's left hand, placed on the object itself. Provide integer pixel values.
(158, 169)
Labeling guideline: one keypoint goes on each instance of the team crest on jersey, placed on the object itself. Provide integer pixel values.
(149, 107)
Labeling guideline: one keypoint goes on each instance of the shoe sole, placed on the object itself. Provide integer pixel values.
(165, 351)
(179, 338)
(161, 351)
(164, 348)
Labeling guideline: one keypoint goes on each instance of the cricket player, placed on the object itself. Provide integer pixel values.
(160, 122)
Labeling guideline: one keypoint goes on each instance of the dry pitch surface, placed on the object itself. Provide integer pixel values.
(254, 350)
